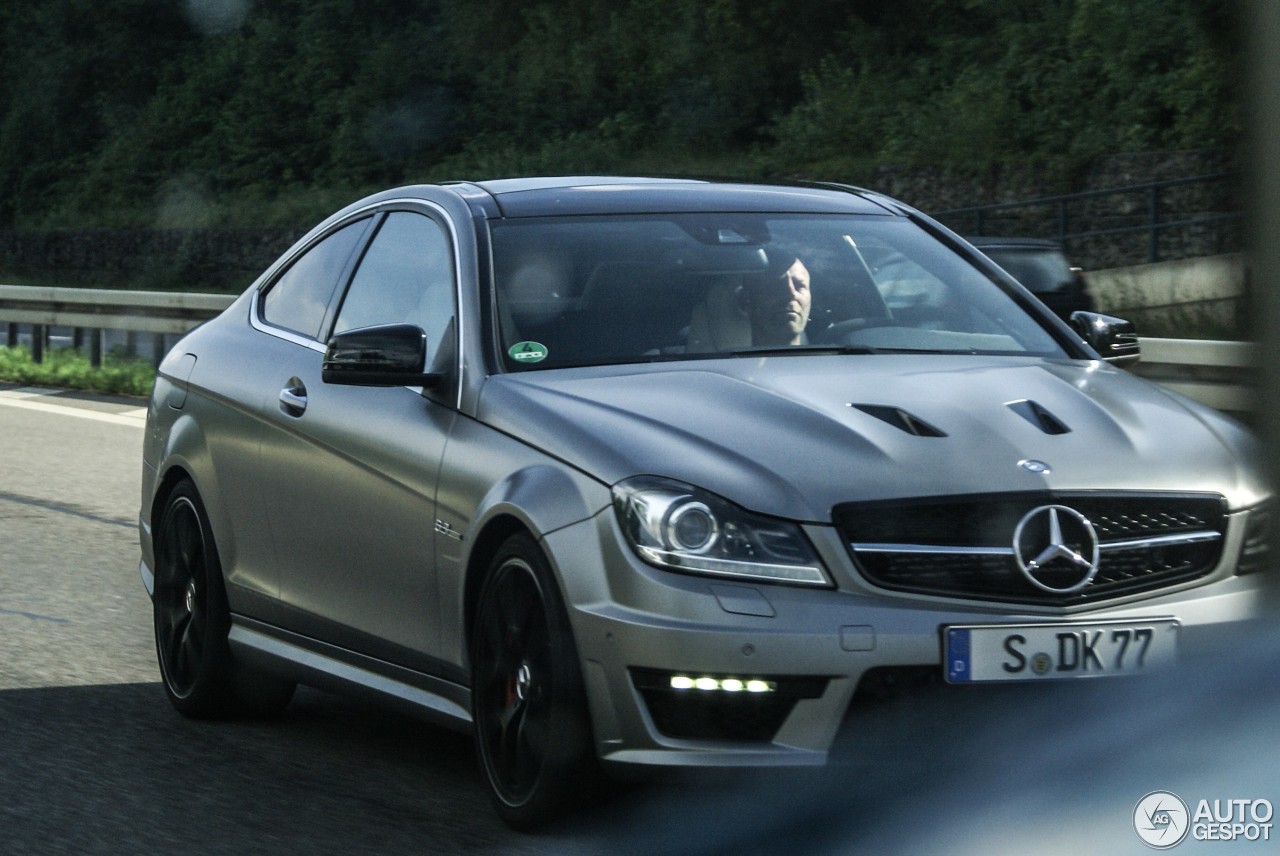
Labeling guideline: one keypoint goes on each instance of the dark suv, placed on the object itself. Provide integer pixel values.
(1043, 268)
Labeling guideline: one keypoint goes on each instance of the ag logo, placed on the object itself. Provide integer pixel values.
(1161, 820)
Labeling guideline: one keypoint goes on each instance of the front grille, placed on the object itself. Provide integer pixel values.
(964, 546)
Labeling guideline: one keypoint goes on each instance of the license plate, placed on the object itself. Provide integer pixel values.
(1031, 652)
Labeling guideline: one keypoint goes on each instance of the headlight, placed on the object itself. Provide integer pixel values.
(680, 528)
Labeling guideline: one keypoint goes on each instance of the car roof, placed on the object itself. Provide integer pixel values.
(584, 195)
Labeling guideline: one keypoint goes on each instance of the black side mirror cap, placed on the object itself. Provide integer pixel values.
(389, 355)
(1115, 339)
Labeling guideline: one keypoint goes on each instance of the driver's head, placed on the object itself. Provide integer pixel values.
(777, 303)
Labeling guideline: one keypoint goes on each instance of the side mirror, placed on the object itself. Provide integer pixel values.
(1115, 339)
(391, 355)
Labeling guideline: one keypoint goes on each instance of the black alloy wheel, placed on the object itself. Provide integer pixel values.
(533, 737)
(192, 621)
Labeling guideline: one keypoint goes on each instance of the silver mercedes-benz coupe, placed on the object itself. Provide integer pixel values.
(620, 473)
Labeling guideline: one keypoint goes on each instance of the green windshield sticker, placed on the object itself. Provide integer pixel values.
(527, 352)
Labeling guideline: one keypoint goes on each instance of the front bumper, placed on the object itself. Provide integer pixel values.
(643, 625)
(147, 562)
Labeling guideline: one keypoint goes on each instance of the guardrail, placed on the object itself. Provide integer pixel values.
(1219, 374)
(1222, 375)
(89, 311)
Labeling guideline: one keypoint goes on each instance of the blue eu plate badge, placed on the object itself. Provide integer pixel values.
(958, 652)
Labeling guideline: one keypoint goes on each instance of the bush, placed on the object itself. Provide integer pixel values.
(69, 369)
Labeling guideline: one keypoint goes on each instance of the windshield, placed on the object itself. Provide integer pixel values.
(636, 288)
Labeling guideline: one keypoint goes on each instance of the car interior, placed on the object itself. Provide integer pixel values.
(659, 292)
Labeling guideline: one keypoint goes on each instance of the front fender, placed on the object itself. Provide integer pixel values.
(516, 487)
(544, 497)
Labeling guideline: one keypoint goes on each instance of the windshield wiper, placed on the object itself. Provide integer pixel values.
(784, 350)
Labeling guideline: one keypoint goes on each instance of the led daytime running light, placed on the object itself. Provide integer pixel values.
(728, 685)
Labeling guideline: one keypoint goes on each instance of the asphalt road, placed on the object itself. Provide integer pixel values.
(93, 760)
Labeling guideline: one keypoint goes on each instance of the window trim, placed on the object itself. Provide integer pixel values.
(374, 212)
(258, 319)
(343, 292)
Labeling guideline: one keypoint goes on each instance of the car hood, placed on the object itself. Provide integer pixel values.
(794, 436)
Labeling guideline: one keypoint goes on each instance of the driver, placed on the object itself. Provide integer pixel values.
(777, 304)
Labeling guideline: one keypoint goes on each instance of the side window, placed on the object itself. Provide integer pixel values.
(406, 277)
(297, 300)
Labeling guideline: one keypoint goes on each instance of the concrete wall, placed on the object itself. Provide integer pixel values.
(1167, 283)
(1201, 298)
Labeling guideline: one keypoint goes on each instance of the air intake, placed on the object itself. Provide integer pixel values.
(1038, 416)
(900, 419)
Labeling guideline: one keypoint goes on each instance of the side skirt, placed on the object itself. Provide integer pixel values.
(323, 666)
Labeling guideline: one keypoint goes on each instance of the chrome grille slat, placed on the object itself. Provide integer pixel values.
(962, 546)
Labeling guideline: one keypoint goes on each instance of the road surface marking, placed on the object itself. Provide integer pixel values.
(34, 398)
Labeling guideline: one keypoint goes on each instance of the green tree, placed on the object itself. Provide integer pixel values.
(147, 116)
(987, 81)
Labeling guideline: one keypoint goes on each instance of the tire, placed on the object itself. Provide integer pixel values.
(533, 733)
(192, 620)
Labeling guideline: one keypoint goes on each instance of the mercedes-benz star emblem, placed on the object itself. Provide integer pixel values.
(1056, 548)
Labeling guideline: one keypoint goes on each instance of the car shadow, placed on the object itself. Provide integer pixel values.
(113, 769)
(1054, 767)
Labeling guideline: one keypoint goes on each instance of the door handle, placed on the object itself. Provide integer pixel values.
(293, 398)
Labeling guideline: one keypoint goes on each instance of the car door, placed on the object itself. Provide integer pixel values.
(240, 366)
(349, 472)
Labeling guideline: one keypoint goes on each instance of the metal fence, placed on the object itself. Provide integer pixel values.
(1121, 226)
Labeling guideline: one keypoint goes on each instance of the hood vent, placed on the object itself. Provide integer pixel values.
(1038, 416)
(900, 419)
